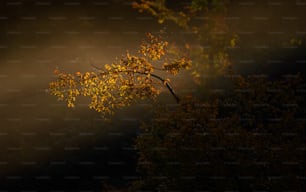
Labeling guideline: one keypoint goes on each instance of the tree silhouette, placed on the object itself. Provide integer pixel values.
(251, 137)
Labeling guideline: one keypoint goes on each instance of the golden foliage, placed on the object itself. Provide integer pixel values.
(210, 52)
(154, 48)
(121, 83)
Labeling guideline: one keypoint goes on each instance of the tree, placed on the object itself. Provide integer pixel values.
(119, 84)
(250, 139)
(210, 37)
(218, 142)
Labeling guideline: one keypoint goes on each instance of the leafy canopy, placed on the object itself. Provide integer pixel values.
(121, 83)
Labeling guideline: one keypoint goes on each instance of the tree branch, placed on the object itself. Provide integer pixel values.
(165, 82)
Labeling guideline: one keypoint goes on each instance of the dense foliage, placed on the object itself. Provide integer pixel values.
(119, 84)
(252, 139)
(251, 136)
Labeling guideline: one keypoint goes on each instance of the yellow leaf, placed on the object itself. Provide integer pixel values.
(78, 73)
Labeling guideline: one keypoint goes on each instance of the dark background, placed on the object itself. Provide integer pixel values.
(43, 145)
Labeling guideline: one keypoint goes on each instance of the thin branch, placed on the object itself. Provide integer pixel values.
(165, 82)
(168, 86)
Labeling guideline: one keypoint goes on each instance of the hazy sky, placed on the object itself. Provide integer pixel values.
(38, 36)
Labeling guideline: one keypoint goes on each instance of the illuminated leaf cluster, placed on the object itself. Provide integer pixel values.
(154, 48)
(121, 83)
(177, 65)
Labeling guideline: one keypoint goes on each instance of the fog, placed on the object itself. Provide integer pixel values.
(39, 136)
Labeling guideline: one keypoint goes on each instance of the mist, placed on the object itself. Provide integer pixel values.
(39, 136)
